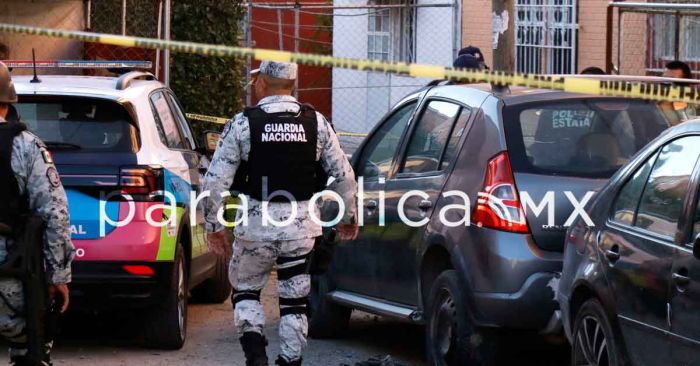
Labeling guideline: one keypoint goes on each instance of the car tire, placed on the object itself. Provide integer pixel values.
(166, 327)
(326, 318)
(594, 342)
(451, 337)
(216, 289)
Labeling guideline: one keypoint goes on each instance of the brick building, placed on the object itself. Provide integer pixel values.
(566, 36)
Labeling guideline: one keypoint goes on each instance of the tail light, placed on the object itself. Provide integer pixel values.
(141, 180)
(139, 270)
(498, 206)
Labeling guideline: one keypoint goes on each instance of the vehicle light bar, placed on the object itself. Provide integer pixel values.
(78, 64)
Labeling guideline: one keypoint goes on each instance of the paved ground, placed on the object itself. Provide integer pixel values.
(110, 340)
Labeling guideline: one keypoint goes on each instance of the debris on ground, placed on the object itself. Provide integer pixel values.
(385, 360)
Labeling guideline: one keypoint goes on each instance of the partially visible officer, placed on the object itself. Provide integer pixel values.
(476, 52)
(678, 112)
(286, 142)
(29, 183)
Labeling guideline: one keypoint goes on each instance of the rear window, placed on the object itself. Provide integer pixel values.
(84, 124)
(580, 138)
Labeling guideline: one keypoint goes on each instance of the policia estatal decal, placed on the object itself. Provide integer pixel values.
(34, 229)
(275, 153)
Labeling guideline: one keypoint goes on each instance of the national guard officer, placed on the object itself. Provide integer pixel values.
(278, 145)
(29, 183)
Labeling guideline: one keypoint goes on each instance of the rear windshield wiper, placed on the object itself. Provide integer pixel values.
(62, 145)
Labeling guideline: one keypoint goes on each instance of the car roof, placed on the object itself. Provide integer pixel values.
(519, 94)
(685, 127)
(79, 85)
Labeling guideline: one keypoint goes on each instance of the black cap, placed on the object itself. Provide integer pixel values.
(467, 62)
(474, 51)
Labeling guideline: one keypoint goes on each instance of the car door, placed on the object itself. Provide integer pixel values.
(179, 160)
(412, 193)
(354, 265)
(638, 244)
(685, 291)
(192, 159)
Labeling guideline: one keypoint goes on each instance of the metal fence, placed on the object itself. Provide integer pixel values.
(545, 36)
(424, 31)
(143, 18)
(649, 35)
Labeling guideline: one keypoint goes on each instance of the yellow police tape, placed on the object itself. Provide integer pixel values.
(204, 118)
(617, 88)
(223, 121)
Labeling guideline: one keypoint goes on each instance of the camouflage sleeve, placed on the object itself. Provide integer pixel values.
(47, 199)
(336, 165)
(222, 169)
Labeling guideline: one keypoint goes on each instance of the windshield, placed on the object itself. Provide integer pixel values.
(581, 137)
(85, 124)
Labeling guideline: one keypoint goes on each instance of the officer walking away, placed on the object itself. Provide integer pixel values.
(29, 184)
(286, 143)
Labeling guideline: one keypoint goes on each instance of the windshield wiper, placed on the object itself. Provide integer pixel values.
(62, 145)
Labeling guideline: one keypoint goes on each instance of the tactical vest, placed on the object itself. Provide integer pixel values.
(12, 205)
(282, 150)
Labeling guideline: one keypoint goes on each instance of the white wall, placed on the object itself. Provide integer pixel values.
(360, 99)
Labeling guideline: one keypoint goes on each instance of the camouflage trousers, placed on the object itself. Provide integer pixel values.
(249, 271)
(11, 321)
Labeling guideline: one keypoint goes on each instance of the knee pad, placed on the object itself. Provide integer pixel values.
(238, 296)
(290, 306)
(289, 267)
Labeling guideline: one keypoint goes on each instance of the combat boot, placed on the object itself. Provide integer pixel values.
(254, 348)
(282, 362)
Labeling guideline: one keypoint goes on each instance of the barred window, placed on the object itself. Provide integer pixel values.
(391, 32)
(662, 30)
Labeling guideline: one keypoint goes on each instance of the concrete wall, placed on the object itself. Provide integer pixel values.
(63, 14)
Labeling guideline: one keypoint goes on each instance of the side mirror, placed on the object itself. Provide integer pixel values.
(696, 247)
(211, 139)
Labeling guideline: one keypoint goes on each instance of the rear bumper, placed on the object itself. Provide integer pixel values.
(513, 282)
(532, 307)
(100, 285)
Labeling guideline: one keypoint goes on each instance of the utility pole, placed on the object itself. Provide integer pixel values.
(503, 35)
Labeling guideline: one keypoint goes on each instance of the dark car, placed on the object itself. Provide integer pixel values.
(497, 270)
(630, 288)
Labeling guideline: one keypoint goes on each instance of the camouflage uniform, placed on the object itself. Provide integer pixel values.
(37, 178)
(259, 246)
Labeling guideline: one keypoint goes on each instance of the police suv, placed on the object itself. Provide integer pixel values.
(129, 163)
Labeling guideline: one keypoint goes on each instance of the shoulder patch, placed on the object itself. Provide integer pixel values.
(54, 179)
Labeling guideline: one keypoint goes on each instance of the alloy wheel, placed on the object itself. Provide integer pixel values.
(591, 345)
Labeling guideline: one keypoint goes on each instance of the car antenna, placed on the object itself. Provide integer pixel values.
(35, 79)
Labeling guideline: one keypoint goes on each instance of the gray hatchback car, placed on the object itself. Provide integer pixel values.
(465, 273)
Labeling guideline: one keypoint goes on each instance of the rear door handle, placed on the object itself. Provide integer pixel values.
(425, 205)
(680, 278)
(613, 254)
(371, 205)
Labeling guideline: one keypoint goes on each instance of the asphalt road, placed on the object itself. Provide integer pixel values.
(113, 339)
